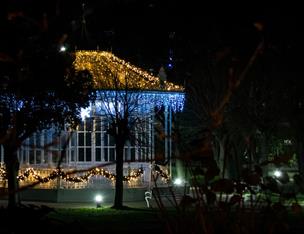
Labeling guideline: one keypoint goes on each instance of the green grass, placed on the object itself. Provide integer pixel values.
(148, 221)
(34, 219)
(105, 220)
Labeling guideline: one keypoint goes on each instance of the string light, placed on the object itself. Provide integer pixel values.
(119, 74)
(133, 175)
(113, 75)
(146, 102)
(163, 174)
(2, 173)
(58, 173)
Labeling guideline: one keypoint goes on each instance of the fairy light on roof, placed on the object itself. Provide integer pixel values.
(112, 75)
(103, 64)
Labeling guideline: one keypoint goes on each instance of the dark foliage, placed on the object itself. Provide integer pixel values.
(39, 87)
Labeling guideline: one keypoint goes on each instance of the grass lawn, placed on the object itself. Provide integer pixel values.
(45, 220)
(105, 220)
(137, 220)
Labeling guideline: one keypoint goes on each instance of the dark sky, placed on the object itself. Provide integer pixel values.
(144, 31)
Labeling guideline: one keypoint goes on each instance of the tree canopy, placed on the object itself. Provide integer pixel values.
(39, 88)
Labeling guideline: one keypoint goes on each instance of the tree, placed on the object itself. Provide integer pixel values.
(39, 89)
(212, 92)
(266, 105)
(124, 107)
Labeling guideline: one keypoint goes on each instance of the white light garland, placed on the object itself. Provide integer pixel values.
(142, 102)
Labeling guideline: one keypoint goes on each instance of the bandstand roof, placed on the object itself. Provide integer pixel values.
(111, 72)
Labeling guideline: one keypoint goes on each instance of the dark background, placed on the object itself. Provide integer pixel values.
(148, 33)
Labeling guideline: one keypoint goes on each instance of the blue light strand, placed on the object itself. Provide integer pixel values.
(142, 102)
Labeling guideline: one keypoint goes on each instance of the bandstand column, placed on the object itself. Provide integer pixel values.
(170, 140)
(167, 137)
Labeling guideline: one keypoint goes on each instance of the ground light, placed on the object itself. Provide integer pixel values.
(277, 173)
(178, 181)
(98, 200)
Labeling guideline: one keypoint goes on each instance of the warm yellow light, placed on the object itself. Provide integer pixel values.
(111, 72)
(32, 175)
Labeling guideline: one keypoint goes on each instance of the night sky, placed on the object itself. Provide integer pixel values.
(147, 33)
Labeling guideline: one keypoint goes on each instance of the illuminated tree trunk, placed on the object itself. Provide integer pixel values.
(121, 132)
(12, 168)
(118, 202)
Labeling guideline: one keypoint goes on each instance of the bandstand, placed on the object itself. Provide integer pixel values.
(89, 149)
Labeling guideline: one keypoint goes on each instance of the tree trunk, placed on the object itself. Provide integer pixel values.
(300, 156)
(221, 155)
(118, 202)
(12, 168)
(264, 153)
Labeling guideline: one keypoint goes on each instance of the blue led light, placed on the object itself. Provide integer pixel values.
(141, 102)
